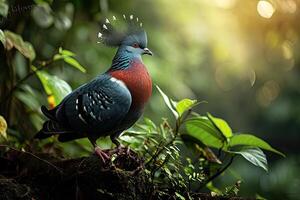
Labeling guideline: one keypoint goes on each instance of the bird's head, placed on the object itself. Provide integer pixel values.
(127, 34)
(136, 43)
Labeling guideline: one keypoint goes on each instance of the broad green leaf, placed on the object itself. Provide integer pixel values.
(254, 155)
(190, 142)
(3, 8)
(3, 127)
(204, 132)
(184, 105)
(205, 124)
(15, 40)
(221, 125)
(168, 102)
(28, 97)
(54, 86)
(251, 140)
(36, 120)
(74, 63)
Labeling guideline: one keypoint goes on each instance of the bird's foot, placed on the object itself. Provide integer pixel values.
(104, 157)
(121, 150)
(117, 150)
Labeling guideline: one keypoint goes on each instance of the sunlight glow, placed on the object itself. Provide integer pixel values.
(288, 54)
(287, 50)
(288, 6)
(226, 4)
(252, 77)
(265, 9)
(267, 93)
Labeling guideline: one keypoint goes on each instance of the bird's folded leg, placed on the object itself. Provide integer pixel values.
(98, 151)
(104, 157)
(116, 142)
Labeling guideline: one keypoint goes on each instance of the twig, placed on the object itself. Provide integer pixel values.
(155, 153)
(220, 150)
(159, 151)
(179, 121)
(45, 161)
(160, 166)
(44, 64)
(217, 173)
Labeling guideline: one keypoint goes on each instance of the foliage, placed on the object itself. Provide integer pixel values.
(3, 8)
(55, 88)
(3, 127)
(12, 40)
(247, 71)
(162, 145)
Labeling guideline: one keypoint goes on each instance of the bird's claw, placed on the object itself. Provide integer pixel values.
(104, 157)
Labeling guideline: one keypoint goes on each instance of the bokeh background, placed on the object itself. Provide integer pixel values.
(241, 56)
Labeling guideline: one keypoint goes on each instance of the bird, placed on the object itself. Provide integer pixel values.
(113, 101)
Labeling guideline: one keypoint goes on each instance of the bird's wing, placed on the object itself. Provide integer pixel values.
(95, 107)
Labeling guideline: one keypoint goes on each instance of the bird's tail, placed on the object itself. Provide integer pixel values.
(50, 128)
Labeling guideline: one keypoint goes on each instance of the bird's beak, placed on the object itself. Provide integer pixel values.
(147, 51)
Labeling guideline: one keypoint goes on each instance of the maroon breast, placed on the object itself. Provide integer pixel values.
(138, 81)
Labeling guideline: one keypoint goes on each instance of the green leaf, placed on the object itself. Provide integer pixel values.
(184, 105)
(3, 8)
(150, 124)
(255, 156)
(63, 19)
(2, 37)
(205, 124)
(74, 63)
(179, 196)
(202, 130)
(42, 15)
(54, 86)
(213, 189)
(38, 2)
(221, 125)
(57, 57)
(36, 120)
(259, 197)
(28, 97)
(251, 140)
(200, 148)
(15, 40)
(65, 52)
(168, 102)
(3, 127)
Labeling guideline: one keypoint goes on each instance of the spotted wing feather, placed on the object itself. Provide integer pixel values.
(99, 105)
(94, 108)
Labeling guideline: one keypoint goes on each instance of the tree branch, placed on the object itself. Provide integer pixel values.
(44, 64)
(218, 173)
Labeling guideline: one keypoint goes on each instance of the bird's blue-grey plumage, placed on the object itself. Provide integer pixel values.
(113, 101)
(99, 105)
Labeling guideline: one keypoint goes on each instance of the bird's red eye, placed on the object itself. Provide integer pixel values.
(135, 45)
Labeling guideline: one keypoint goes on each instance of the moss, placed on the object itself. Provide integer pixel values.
(27, 176)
